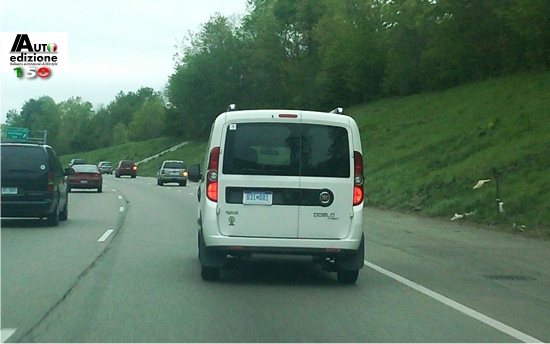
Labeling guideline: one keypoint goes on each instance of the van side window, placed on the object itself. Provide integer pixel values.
(54, 163)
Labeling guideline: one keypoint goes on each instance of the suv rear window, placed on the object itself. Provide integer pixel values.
(127, 163)
(23, 159)
(287, 149)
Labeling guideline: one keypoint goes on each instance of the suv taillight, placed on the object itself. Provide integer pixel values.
(358, 179)
(212, 175)
(51, 182)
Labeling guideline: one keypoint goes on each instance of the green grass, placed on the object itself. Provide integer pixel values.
(424, 153)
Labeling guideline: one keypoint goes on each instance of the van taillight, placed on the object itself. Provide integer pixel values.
(51, 182)
(358, 179)
(212, 175)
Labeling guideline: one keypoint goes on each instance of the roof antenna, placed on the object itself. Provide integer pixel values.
(232, 107)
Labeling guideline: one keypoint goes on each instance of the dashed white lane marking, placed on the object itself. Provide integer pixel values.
(105, 235)
(121, 209)
(459, 307)
(6, 333)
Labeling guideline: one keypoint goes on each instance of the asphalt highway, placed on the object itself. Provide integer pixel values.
(124, 268)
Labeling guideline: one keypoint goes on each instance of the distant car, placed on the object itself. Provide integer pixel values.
(126, 168)
(76, 161)
(105, 167)
(34, 183)
(85, 177)
(172, 171)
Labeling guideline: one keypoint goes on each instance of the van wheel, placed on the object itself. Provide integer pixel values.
(210, 273)
(64, 215)
(347, 276)
(100, 189)
(53, 218)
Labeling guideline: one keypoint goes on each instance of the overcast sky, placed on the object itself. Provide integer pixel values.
(114, 45)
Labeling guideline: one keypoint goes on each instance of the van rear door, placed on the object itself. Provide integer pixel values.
(326, 178)
(259, 185)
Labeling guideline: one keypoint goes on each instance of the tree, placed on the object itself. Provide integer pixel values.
(76, 133)
(147, 123)
(206, 78)
(351, 53)
(42, 115)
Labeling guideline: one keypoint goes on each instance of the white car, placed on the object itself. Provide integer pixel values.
(282, 182)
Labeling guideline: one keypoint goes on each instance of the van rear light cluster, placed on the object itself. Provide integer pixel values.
(134, 168)
(51, 182)
(358, 179)
(212, 175)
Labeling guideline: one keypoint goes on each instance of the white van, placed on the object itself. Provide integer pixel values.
(282, 182)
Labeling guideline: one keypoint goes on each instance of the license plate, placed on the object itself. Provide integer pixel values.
(258, 197)
(9, 191)
(83, 182)
(174, 173)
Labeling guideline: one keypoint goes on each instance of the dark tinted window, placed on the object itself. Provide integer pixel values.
(24, 159)
(127, 163)
(287, 149)
(174, 164)
(55, 164)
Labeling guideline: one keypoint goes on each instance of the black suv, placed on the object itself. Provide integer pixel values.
(33, 182)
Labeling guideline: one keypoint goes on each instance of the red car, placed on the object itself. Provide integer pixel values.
(126, 168)
(85, 177)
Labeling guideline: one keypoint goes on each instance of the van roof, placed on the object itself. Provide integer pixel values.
(276, 114)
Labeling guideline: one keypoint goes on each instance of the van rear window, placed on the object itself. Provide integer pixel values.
(287, 149)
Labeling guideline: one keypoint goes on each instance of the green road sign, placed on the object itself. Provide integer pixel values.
(17, 133)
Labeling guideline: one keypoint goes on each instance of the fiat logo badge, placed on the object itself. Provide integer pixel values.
(324, 197)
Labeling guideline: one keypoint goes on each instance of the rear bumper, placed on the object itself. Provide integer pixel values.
(173, 179)
(298, 246)
(90, 185)
(27, 208)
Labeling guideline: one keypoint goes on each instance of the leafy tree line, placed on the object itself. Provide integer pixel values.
(318, 54)
(309, 54)
(74, 126)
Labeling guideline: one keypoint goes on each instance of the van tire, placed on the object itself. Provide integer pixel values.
(347, 276)
(211, 262)
(53, 218)
(64, 214)
(210, 273)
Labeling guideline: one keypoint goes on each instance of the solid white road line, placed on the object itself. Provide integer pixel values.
(106, 235)
(459, 307)
(6, 333)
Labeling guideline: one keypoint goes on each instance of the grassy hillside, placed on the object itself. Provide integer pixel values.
(424, 153)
